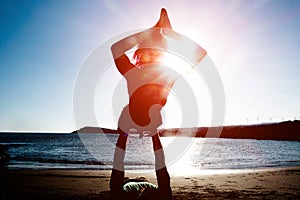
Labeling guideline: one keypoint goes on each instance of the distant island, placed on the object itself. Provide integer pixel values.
(288, 130)
(90, 129)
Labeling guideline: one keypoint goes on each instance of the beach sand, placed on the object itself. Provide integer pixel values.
(274, 183)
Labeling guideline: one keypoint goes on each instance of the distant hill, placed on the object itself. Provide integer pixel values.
(89, 129)
(289, 130)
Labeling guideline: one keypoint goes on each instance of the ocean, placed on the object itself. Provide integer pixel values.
(95, 151)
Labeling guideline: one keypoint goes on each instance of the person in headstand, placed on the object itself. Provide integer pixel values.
(148, 84)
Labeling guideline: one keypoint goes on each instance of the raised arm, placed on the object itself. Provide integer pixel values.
(162, 175)
(117, 174)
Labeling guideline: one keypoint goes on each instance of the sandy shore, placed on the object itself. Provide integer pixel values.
(279, 183)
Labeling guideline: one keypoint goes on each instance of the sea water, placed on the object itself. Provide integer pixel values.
(95, 151)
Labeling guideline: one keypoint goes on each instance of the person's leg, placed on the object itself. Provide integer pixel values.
(162, 175)
(117, 174)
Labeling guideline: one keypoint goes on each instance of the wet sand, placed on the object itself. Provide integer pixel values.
(274, 183)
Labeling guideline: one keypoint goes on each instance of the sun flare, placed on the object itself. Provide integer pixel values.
(182, 54)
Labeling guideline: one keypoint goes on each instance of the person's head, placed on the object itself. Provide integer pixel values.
(137, 179)
(145, 193)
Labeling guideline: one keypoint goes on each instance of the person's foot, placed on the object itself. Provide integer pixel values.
(163, 21)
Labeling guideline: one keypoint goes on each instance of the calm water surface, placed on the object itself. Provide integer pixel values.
(95, 151)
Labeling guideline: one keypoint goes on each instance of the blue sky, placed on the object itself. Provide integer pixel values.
(254, 45)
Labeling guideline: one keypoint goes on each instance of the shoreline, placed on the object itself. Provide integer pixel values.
(267, 183)
(150, 171)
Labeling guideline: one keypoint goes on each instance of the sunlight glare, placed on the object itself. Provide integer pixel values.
(182, 166)
(182, 55)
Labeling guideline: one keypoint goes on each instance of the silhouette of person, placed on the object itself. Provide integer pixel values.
(148, 88)
(147, 80)
(149, 83)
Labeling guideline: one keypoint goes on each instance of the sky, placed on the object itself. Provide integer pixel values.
(255, 46)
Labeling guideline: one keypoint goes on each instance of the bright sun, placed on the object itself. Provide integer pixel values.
(183, 54)
(181, 60)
